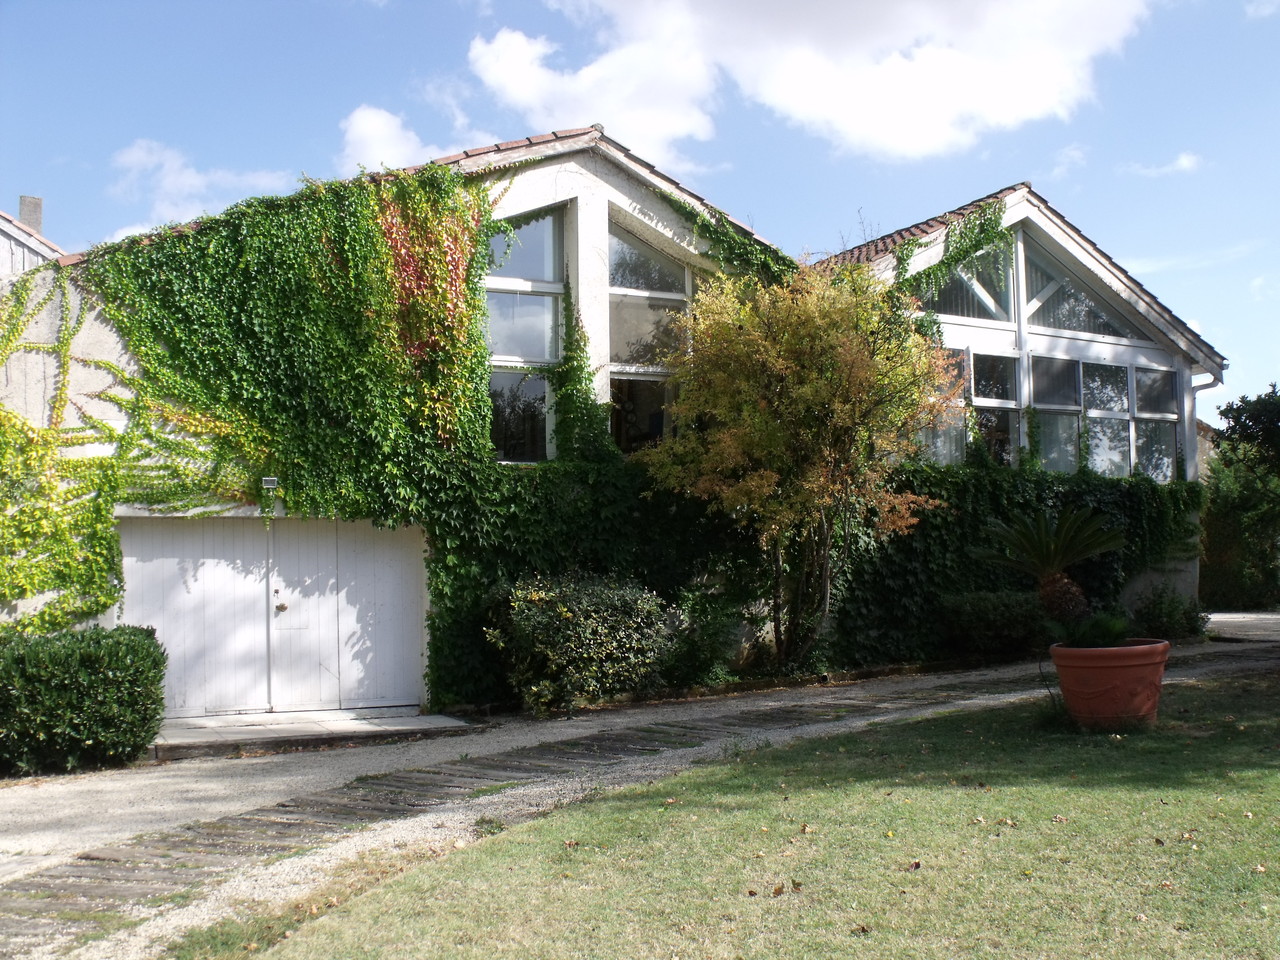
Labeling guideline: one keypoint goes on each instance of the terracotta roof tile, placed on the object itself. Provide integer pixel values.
(875, 250)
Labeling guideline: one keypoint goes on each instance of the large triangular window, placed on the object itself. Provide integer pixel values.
(979, 289)
(1058, 300)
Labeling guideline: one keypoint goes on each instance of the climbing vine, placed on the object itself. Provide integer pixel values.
(736, 250)
(980, 230)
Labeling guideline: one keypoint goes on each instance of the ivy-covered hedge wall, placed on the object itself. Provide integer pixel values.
(894, 593)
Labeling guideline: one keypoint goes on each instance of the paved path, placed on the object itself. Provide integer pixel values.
(81, 855)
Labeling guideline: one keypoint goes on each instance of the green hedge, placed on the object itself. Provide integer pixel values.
(79, 699)
(572, 637)
(891, 598)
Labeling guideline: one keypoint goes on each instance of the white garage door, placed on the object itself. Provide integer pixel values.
(301, 615)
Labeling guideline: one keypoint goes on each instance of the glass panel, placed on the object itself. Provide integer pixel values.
(1054, 382)
(1106, 387)
(999, 432)
(638, 418)
(640, 328)
(995, 378)
(637, 266)
(535, 252)
(1157, 391)
(1059, 441)
(1072, 307)
(522, 325)
(1109, 446)
(519, 431)
(945, 442)
(1157, 448)
(987, 271)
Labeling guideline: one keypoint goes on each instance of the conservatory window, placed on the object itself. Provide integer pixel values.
(639, 416)
(1157, 446)
(1059, 441)
(1157, 391)
(979, 289)
(535, 251)
(525, 287)
(1055, 382)
(519, 401)
(646, 287)
(1058, 300)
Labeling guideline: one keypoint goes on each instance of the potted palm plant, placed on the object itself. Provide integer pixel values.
(1109, 680)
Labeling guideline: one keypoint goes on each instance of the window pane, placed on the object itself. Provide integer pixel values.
(640, 328)
(1109, 447)
(519, 431)
(1157, 391)
(535, 252)
(1054, 382)
(945, 442)
(522, 325)
(999, 432)
(959, 298)
(638, 418)
(638, 266)
(995, 378)
(1106, 387)
(1059, 441)
(1157, 448)
(1072, 307)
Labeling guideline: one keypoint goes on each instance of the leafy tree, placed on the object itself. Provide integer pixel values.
(793, 403)
(1241, 567)
(1252, 433)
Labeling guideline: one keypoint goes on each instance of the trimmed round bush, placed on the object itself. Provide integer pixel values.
(576, 637)
(79, 699)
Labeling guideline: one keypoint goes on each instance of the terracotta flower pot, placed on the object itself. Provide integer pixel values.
(1112, 688)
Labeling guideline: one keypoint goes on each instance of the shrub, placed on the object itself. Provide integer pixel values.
(573, 637)
(995, 625)
(1164, 614)
(79, 699)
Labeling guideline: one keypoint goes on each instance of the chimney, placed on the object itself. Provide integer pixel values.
(31, 213)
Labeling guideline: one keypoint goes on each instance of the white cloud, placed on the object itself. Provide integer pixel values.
(374, 139)
(176, 191)
(901, 80)
(1067, 159)
(1258, 9)
(1182, 163)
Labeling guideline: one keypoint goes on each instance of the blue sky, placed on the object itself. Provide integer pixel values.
(1153, 125)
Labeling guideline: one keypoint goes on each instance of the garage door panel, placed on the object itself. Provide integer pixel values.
(381, 615)
(350, 634)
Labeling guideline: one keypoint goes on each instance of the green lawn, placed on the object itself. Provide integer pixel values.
(993, 834)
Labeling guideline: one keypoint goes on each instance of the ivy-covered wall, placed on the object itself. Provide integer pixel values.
(334, 339)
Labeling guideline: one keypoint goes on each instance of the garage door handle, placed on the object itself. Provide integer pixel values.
(281, 607)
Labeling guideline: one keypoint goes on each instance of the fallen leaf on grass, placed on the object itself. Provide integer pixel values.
(861, 930)
(779, 890)
(1259, 869)
(805, 828)
(913, 865)
(1159, 842)
(570, 844)
(1058, 818)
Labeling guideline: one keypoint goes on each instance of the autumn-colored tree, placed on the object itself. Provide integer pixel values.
(792, 404)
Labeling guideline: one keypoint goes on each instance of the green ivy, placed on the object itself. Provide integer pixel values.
(735, 248)
(935, 560)
(981, 230)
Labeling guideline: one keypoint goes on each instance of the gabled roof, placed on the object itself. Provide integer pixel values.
(19, 231)
(1023, 204)
(561, 143)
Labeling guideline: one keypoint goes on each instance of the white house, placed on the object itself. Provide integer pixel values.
(1056, 336)
(318, 614)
